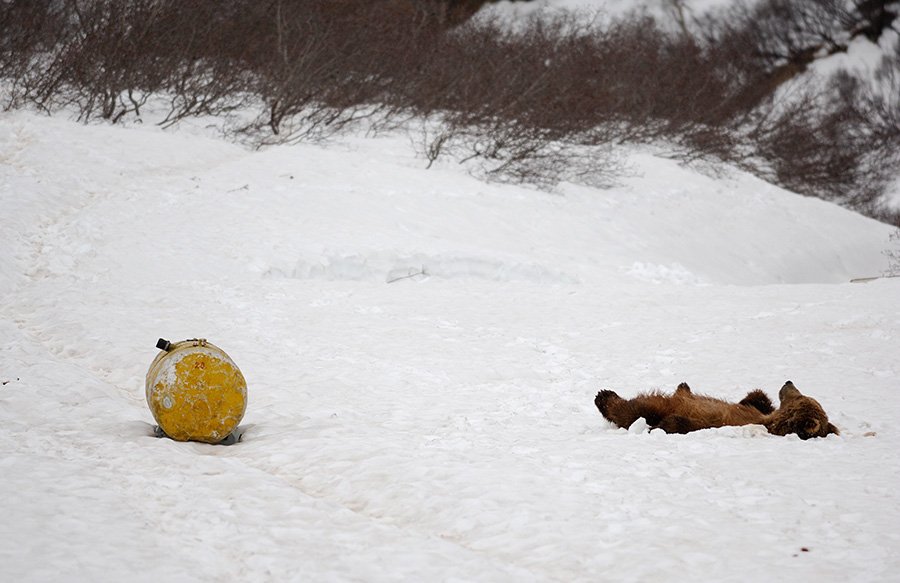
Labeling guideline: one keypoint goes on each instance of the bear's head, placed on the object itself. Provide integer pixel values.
(799, 414)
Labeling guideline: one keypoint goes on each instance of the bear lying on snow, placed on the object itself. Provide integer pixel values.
(684, 411)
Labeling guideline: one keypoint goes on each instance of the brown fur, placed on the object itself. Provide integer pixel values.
(685, 411)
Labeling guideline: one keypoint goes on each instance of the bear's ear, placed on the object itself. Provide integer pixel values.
(832, 429)
(788, 391)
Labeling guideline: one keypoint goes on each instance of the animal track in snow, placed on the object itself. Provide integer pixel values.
(394, 267)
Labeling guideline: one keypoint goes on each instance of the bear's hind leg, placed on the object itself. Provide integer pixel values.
(615, 409)
(624, 412)
(759, 401)
(605, 400)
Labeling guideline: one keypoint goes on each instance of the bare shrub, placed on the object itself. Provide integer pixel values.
(531, 102)
(810, 153)
(841, 143)
(320, 66)
(540, 103)
(204, 69)
(783, 37)
(29, 34)
(101, 67)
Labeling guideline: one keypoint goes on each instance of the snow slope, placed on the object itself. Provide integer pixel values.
(439, 427)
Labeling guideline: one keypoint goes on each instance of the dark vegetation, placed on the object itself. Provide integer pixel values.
(540, 103)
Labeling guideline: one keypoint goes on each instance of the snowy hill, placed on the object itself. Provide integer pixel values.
(422, 350)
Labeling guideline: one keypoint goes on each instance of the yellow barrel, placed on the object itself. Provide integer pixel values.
(195, 391)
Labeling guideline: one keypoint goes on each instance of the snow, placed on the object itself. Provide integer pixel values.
(660, 8)
(862, 57)
(440, 427)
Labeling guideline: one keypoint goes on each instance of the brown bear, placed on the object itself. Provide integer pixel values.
(684, 411)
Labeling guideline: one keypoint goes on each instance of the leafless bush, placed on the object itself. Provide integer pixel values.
(29, 33)
(540, 103)
(203, 69)
(811, 152)
(320, 66)
(840, 143)
(100, 66)
(530, 102)
(783, 37)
